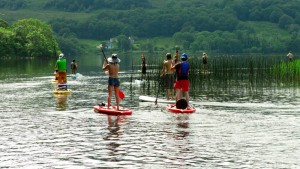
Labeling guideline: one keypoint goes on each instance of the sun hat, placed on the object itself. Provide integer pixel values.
(113, 59)
(184, 56)
(61, 55)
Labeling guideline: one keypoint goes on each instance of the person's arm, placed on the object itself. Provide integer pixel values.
(163, 70)
(105, 65)
(173, 67)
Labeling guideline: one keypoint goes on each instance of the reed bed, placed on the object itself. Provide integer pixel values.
(230, 74)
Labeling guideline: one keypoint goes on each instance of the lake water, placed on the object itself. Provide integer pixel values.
(234, 126)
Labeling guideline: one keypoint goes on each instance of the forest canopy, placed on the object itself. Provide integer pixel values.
(231, 26)
(27, 38)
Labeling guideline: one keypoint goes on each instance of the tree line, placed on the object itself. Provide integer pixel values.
(218, 25)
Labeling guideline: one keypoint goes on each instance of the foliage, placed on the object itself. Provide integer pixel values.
(28, 38)
(13, 4)
(231, 26)
(80, 5)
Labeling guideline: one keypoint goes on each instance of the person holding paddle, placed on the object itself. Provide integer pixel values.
(61, 66)
(73, 67)
(111, 65)
(144, 69)
(182, 83)
(168, 75)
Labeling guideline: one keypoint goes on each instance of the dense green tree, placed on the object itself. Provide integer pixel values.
(285, 21)
(34, 38)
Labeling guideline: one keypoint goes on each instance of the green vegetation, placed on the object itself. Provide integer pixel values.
(27, 38)
(223, 26)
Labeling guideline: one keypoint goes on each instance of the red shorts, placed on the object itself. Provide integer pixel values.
(184, 85)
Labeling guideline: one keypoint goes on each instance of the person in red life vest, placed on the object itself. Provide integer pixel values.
(182, 83)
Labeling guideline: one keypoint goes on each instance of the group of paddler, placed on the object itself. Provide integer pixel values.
(176, 76)
(174, 72)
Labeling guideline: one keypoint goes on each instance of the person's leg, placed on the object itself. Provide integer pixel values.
(117, 97)
(64, 77)
(109, 96)
(187, 97)
(185, 89)
(59, 78)
(178, 94)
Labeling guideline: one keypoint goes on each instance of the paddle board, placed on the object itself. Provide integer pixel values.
(172, 108)
(112, 110)
(152, 99)
(62, 92)
(73, 76)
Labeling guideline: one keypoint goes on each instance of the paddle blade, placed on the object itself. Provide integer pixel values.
(121, 94)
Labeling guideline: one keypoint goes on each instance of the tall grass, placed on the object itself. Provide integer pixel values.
(232, 75)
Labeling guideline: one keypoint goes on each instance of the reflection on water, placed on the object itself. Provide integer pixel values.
(232, 127)
(61, 101)
(182, 127)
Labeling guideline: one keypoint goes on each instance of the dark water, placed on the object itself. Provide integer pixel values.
(233, 127)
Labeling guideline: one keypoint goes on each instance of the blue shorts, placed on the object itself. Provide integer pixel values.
(113, 82)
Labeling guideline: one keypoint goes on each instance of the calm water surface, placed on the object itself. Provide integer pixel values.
(41, 130)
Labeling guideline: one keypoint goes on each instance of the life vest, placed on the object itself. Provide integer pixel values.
(183, 71)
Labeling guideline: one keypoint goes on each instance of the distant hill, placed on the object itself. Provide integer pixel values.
(231, 26)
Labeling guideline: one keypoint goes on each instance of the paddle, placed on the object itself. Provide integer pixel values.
(120, 93)
(158, 81)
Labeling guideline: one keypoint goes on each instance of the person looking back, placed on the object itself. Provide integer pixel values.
(111, 65)
(168, 74)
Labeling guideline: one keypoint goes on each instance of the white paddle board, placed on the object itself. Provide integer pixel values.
(152, 99)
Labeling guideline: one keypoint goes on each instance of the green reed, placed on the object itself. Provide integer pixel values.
(227, 74)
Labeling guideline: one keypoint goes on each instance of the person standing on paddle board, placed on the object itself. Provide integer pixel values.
(182, 83)
(204, 62)
(168, 74)
(73, 67)
(290, 56)
(144, 69)
(61, 66)
(111, 65)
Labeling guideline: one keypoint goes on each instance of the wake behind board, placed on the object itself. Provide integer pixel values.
(152, 99)
(112, 111)
(172, 108)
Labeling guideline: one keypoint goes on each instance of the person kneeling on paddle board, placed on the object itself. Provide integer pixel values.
(111, 65)
(182, 83)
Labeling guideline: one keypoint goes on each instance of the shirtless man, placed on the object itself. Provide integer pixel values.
(111, 65)
(168, 75)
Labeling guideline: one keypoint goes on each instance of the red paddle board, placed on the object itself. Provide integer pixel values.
(172, 108)
(112, 110)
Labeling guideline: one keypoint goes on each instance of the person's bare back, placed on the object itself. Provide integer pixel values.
(113, 70)
(167, 67)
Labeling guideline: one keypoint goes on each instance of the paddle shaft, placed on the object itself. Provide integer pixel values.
(103, 54)
(158, 81)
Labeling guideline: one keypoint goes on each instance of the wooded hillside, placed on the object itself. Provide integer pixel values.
(231, 26)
